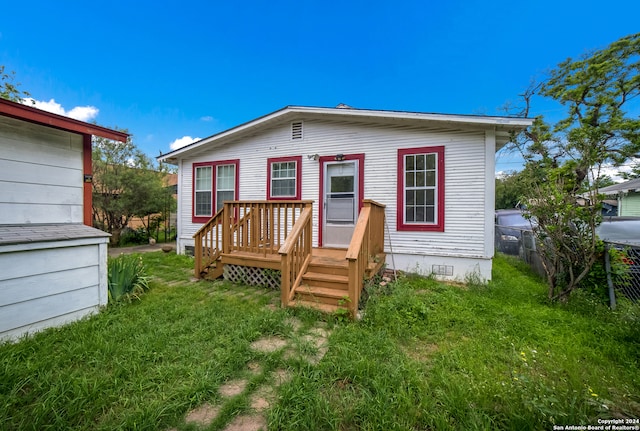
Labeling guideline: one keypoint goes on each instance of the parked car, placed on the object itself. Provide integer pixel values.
(620, 230)
(509, 227)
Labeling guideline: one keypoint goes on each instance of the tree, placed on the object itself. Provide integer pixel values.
(509, 190)
(125, 184)
(9, 90)
(564, 161)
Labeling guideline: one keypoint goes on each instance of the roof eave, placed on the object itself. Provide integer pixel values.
(503, 124)
(44, 118)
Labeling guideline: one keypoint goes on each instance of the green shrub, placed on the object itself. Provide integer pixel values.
(127, 278)
(596, 279)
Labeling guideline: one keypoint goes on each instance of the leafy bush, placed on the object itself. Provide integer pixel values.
(133, 237)
(127, 278)
(596, 279)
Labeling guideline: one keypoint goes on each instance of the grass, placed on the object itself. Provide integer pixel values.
(425, 356)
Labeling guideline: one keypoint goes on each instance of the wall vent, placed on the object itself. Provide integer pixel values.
(446, 270)
(296, 130)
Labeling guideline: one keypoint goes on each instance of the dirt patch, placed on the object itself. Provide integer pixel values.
(281, 376)
(203, 415)
(269, 344)
(262, 398)
(254, 368)
(247, 423)
(232, 388)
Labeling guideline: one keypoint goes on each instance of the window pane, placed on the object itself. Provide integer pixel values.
(420, 213)
(203, 178)
(203, 204)
(420, 197)
(409, 214)
(431, 178)
(431, 197)
(284, 187)
(410, 197)
(431, 161)
(419, 179)
(419, 162)
(342, 184)
(226, 177)
(410, 179)
(222, 196)
(410, 162)
(431, 215)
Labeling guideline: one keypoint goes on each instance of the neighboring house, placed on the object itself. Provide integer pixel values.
(432, 173)
(53, 264)
(628, 196)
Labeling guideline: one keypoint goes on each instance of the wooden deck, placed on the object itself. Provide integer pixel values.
(276, 236)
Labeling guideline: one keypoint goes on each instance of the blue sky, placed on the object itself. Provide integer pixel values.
(182, 70)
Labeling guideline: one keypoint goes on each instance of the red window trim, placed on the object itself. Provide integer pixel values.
(204, 219)
(423, 227)
(298, 160)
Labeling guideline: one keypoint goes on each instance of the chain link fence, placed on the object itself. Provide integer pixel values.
(625, 277)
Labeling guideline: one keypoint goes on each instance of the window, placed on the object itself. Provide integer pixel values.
(213, 183)
(225, 184)
(202, 191)
(421, 189)
(284, 178)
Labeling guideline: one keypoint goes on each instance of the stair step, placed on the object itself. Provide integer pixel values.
(321, 291)
(332, 278)
(325, 308)
(325, 268)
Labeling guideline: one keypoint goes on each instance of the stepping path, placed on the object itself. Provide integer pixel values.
(305, 345)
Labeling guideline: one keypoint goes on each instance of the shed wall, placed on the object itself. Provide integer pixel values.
(68, 282)
(41, 174)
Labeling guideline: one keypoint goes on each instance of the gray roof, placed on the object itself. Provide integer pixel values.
(627, 186)
(32, 233)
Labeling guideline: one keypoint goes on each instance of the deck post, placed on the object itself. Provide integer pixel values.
(226, 229)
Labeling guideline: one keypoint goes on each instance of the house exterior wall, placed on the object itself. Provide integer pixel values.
(629, 204)
(41, 174)
(68, 282)
(465, 246)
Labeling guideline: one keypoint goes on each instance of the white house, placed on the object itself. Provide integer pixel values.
(53, 264)
(434, 174)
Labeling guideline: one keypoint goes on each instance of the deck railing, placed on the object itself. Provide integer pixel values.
(260, 226)
(367, 241)
(208, 244)
(295, 255)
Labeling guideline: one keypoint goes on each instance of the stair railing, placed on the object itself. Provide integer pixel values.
(366, 242)
(295, 255)
(208, 243)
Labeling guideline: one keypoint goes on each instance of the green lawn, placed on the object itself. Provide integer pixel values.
(425, 356)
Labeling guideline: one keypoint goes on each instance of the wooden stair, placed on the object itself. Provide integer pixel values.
(325, 283)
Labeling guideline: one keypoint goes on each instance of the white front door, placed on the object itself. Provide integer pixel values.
(340, 203)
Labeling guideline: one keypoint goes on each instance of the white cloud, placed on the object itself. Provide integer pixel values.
(82, 113)
(181, 142)
(614, 172)
(206, 118)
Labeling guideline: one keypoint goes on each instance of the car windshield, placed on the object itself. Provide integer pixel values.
(514, 219)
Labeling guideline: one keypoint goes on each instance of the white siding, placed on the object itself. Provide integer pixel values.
(41, 174)
(67, 283)
(467, 183)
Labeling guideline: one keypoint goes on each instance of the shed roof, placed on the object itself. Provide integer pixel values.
(33, 233)
(44, 118)
(627, 186)
(502, 125)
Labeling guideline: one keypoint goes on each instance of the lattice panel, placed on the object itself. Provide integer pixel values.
(252, 276)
